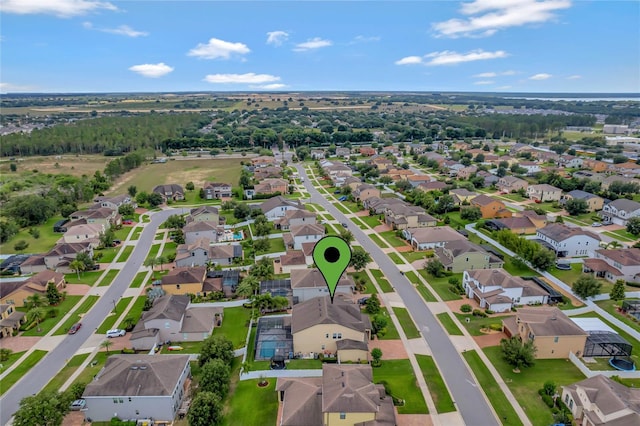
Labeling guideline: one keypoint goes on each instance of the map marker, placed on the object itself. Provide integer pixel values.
(332, 256)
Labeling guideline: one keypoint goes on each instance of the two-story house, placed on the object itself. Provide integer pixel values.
(101, 216)
(188, 280)
(10, 320)
(499, 291)
(277, 207)
(272, 186)
(195, 231)
(293, 218)
(16, 292)
(196, 254)
(403, 216)
(217, 190)
(416, 180)
(300, 234)
(552, 332)
(466, 172)
(225, 254)
(620, 211)
(431, 186)
(615, 264)
(309, 283)
(490, 207)
(60, 257)
(532, 167)
(544, 192)
(463, 255)
(267, 172)
(594, 202)
(462, 196)
(365, 191)
(343, 152)
(568, 242)
(170, 192)
(204, 214)
(84, 233)
(509, 184)
(113, 203)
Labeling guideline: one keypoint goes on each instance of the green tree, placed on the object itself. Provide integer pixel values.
(543, 259)
(126, 210)
(106, 345)
(154, 199)
(376, 354)
(262, 269)
(189, 186)
(43, 409)
(77, 266)
(205, 410)
(132, 190)
(86, 260)
(470, 213)
(633, 226)
(216, 346)
(20, 245)
(37, 315)
(262, 245)
(53, 294)
(151, 263)
(435, 268)
(142, 197)
(518, 354)
(248, 286)
(107, 237)
(379, 325)
(241, 211)
(445, 203)
(5, 353)
(576, 206)
(347, 235)
(586, 286)
(617, 292)
(175, 221)
(215, 377)
(359, 258)
(372, 305)
(35, 301)
(7, 230)
(263, 228)
(13, 167)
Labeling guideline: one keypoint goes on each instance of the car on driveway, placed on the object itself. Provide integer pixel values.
(77, 405)
(116, 333)
(563, 266)
(343, 198)
(596, 224)
(75, 327)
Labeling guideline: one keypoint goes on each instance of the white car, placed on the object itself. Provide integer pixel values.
(596, 224)
(116, 333)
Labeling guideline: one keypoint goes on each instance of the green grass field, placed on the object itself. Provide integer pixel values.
(107, 255)
(488, 383)
(378, 241)
(109, 321)
(235, 325)
(382, 281)
(437, 388)
(135, 311)
(422, 289)
(392, 331)
(409, 327)
(251, 405)
(610, 307)
(22, 369)
(448, 324)
(396, 259)
(402, 383)
(392, 239)
(45, 326)
(362, 276)
(124, 256)
(441, 285)
(138, 280)
(136, 234)
(77, 315)
(413, 256)
(476, 324)
(372, 221)
(154, 251)
(91, 370)
(88, 278)
(67, 371)
(43, 244)
(108, 278)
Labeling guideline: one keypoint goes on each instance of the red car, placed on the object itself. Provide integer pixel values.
(74, 328)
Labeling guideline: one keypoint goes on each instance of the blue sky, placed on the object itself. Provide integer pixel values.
(481, 45)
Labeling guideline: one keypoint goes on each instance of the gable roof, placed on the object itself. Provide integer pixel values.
(138, 375)
(279, 201)
(185, 275)
(561, 232)
(349, 389)
(625, 205)
(435, 234)
(311, 278)
(578, 194)
(548, 321)
(307, 229)
(169, 306)
(544, 187)
(172, 188)
(303, 401)
(225, 251)
(68, 248)
(202, 226)
(625, 257)
(484, 200)
(203, 210)
(320, 310)
(610, 397)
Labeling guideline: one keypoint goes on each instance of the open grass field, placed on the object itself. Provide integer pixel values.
(59, 379)
(17, 373)
(382, 281)
(488, 383)
(43, 244)
(407, 323)
(180, 171)
(45, 326)
(77, 315)
(69, 164)
(402, 384)
(438, 390)
(525, 385)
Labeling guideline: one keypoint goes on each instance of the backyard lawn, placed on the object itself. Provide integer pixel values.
(407, 323)
(570, 277)
(525, 385)
(77, 315)
(235, 325)
(250, 405)
(401, 383)
(610, 307)
(22, 369)
(45, 326)
(382, 281)
(488, 383)
(448, 324)
(437, 388)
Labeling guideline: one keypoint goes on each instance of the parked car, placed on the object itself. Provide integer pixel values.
(337, 191)
(363, 300)
(116, 333)
(343, 198)
(563, 266)
(95, 267)
(345, 224)
(78, 405)
(75, 327)
(596, 224)
(127, 222)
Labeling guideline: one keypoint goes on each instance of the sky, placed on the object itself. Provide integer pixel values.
(537, 46)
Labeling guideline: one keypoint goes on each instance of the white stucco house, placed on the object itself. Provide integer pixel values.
(568, 242)
(620, 211)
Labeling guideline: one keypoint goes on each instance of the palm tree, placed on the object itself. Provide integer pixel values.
(161, 261)
(210, 265)
(614, 244)
(106, 344)
(35, 301)
(77, 266)
(249, 285)
(151, 262)
(37, 315)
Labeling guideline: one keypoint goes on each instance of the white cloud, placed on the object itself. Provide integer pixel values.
(313, 43)
(574, 77)
(273, 86)
(248, 78)
(503, 87)
(486, 75)
(124, 30)
(541, 76)
(449, 57)
(277, 37)
(484, 82)
(409, 60)
(364, 39)
(9, 87)
(60, 8)
(486, 17)
(152, 70)
(217, 48)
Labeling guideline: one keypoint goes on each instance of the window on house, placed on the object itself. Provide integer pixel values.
(339, 335)
(322, 347)
(326, 335)
(555, 339)
(335, 335)
(177, 286)
(343, 416)
(121, 401)
(129, 399)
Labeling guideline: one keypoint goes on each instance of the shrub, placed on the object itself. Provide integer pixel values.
(52, 313)
(479, 313)
(496, 327)
(547, 400)
(128, 351)
(488, 311)
(466, 308)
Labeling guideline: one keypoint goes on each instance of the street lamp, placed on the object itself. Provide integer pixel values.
(114, 306)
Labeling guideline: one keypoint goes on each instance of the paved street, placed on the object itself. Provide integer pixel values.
(55, 360)
(471, 403)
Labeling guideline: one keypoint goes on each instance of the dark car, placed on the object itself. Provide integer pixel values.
(74, 328)
(563, 266)
(362, 300)
(95, 267)
(127, 222)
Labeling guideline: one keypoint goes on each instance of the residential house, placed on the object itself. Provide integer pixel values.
(570, 161)
(430, 238)
(195, 231)
(416, 179)
(365, 191)
(277, 207)
(490, 207)
(532, 167)
(343, 152)
(317, 154)
(318, 324)
(170, 192)
(82, 233)
(499, 291)
(398, 174)
(568, 242)
(489, 178)
(517, 224)
(352, 182)
(309, 283)
(539, 220)
(345, 395)
(462, 196)
(113, 203)
(100, 216)
(184, 280)
(391, 149)
(299, 234)
(594, 203)
(452, 167)
(544, 192)
(263, 161)
(204, 214)
(628, 169)
(138, 386)
(436, 157)
(293, 218)
(607, 181)
(16, 292)
(620, 211)
(292, 259)
(10, 319)
(225, 254)
(466, 172)
(615, 264)
(59, 257)
(431, 186)
(379, 205)
(402, 216)
(271, 186)
(217, 190)
(594, 165)
(552, 332)
(367, 151)
(463, 255)
(196, 254)
(600, 400)
(509, 184)
(267, 172)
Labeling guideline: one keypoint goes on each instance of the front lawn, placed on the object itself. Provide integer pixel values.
(401, 382)
(441, 284)
(448, 324)
(393, 239)
(382, 281)
(125, 254)
(22, 369)
(413, 256)
(363, 277)
(342, 209)
(409, 327)
(109, 321)
(392, 331)
(169, 250)
(438, 390)
(93, 368)
(476, 324)
(45, 326)
(77, 315)
(525, 385)
(378, 241)
(108, 278)
(106, 255)
(135, 312)
(88, 278)
(396, 259)
(498, 400)
(622, 234)
(422, 289)
(372, 221)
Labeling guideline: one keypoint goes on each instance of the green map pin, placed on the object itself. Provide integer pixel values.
(332, 256)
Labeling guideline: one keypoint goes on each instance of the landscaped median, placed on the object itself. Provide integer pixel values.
(437, 388)
(20, 370)
(382, 281)
(410, 329)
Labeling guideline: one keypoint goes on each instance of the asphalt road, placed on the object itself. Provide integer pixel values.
(471, 404)
(55, 360)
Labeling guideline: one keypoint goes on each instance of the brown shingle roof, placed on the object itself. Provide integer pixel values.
(185, 275)
(303, 401)
(610, 397)
(320, 310)
(311, 278)
(548, 321)
(560, 232)
(625, 257)
(169, 306)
